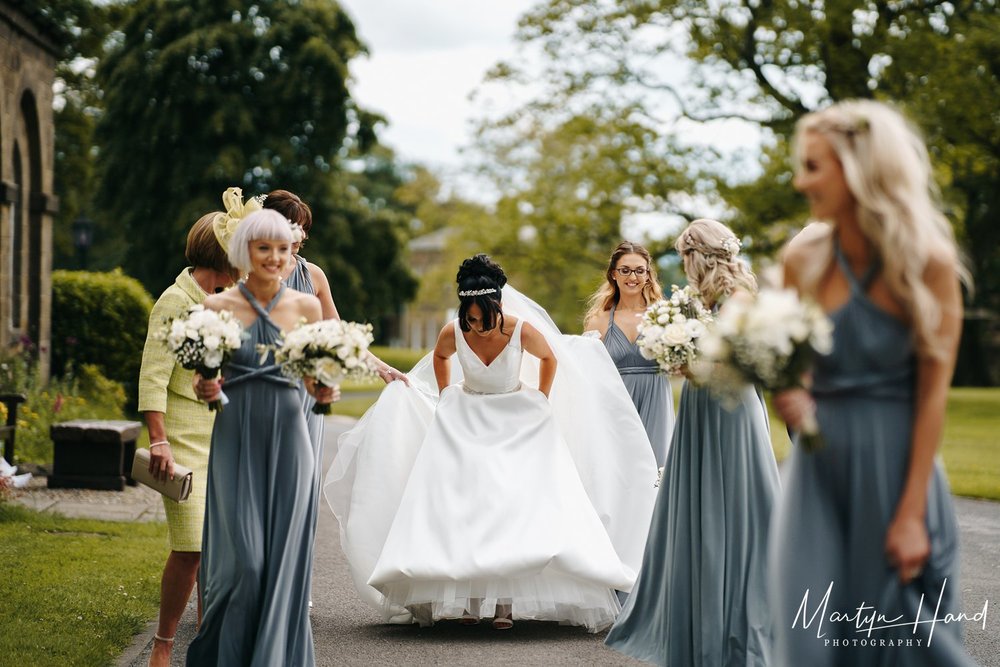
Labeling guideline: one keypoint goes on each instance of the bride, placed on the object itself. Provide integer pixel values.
(495, 487)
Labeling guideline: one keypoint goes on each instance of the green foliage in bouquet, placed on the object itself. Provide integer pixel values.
(100, 319)
(81, 393)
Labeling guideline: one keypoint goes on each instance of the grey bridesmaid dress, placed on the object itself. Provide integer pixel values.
(259, 516)
(700, 598)
(301, 281)
(649, 389)
(838, 503)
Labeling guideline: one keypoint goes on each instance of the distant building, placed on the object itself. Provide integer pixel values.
(435, 303)
(28, 57)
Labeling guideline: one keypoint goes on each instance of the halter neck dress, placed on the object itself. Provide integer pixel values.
(700, 599)
(494, 510)
(838, 503)
(260, 511)
(649, 389)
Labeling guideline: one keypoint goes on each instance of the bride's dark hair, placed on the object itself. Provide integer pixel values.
(480, 281)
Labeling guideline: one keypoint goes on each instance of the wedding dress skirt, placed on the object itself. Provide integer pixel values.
(491, 492)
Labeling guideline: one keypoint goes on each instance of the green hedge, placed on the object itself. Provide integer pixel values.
(100, 319)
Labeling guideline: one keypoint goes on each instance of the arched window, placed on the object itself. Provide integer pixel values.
(17, 242)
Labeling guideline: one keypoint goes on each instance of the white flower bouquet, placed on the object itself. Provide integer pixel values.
(770, 341)
(328, 351)
(670, 329)
(203, 341)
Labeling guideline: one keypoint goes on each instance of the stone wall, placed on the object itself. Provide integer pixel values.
(28, 59)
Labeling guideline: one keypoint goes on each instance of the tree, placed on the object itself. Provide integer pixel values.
(565, 190)
(79, 29)
(205, 94)
(690, 64)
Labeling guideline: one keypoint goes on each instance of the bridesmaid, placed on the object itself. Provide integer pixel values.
(259, 514)
(630, 285)
(869, 517)
(700, 598)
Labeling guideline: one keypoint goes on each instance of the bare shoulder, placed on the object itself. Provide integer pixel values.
(807, 242)
(530, 334)
(445, 345)
(597, 322)
(941, 274)
(317, 274)
(223, 300)
(805, 249)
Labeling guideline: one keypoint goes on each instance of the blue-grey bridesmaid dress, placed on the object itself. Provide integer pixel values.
(649, 389)
(259, 516)
(700, 598)
(300, 280)
(838, 503)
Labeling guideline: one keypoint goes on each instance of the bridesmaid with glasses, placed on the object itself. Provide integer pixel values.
(629, 286)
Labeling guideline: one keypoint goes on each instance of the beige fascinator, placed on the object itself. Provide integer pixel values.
(225, 224)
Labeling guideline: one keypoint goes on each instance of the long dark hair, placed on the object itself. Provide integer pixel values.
(481, 280)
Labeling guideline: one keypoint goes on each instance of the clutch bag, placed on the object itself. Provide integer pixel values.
(178, 488)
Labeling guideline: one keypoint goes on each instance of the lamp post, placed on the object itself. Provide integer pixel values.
(83, 237)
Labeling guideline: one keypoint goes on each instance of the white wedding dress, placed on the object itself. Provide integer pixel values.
(490, 492)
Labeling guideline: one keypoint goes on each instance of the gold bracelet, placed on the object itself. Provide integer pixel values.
(156, 444)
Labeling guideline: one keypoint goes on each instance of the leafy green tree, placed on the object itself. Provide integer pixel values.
(560, 214)
(689, 64)
(202, 95)
(79, 29)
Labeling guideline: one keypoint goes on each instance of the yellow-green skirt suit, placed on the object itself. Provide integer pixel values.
(164, 386)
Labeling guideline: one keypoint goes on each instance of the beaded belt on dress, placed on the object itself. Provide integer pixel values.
(639, 370)
(489, 393)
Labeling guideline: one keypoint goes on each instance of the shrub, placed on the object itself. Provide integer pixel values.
(81, 394)
(100, 319)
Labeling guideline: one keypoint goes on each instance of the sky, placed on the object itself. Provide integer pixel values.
(426, 57)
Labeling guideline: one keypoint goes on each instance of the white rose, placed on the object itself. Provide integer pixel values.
(675, 334)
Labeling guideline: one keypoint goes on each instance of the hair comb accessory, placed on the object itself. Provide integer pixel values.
(224, 225)
(298, 234)
(478, 292)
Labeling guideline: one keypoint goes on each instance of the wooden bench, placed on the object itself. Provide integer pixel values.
(7, 431)
(93, 454)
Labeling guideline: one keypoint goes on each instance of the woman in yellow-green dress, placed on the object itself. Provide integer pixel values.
(180, 426)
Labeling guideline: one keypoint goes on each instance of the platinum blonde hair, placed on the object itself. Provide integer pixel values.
(888, 172)
(262, 224)
(709, 250)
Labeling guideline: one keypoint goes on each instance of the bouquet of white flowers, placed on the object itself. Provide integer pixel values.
(203, 341)
(771, 342)
(670, 329)
(328, 350)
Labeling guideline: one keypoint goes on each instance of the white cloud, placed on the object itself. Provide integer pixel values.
(426, 57)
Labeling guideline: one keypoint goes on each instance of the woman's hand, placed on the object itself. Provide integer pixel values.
(390, 374)
(907, 546)
(795, 407)
(207, 390)
(321, 392)
(161, 460)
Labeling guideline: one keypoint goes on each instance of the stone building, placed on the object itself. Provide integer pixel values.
(28, 57)
(435, 303)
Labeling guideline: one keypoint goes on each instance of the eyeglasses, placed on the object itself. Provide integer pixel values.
(624, 271)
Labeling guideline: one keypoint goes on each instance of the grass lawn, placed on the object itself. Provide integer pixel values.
(75, 591)
(971, 446)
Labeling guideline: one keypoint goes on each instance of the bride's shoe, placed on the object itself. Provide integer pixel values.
(503, 620)
(470, 615)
